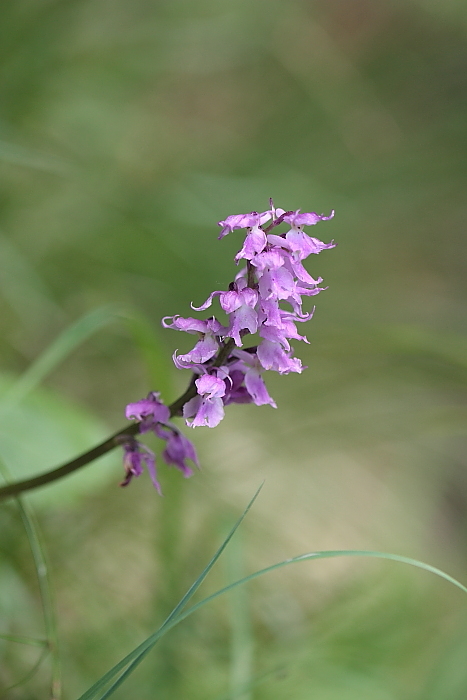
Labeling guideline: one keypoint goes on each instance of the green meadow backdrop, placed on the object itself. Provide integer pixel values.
(128, 128)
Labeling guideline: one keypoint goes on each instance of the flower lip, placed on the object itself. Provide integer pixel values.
(243, 221)
(210, 386)
(305, 218)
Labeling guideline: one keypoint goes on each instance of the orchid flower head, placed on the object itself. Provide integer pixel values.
(262, 306)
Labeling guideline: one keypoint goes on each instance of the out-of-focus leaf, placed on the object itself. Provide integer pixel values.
(418, 340)
(155, 357)
(30, 158)
(60, 348)
(47, 602)
(23, 288)
(46, 430)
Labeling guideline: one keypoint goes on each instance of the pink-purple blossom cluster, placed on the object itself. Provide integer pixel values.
(224, 371)
(154, 416)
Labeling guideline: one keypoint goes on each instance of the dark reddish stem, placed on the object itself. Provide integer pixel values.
(277, 221)
(82, 460)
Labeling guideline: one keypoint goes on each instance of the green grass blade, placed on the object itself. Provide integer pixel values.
(248, 687)
(326, 555)
(45, 591)
(28, 675)
(24, 289)
(137, 655)
(40, 563)
(60, 348)
(134, 658)
(241, 645)
(24, 640)
(31, 158)
(261, 572)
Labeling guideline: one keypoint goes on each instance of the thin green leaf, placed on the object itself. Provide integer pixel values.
(30, 158)
(248, 687)
(145, 647)
(315, 555)
(303, 557)
(24, 640)
(60, 348)
(146, 339)
(24, 289)
(135, 657)
(40, 563)
(327, 555)
(241, 645)
(28, 675)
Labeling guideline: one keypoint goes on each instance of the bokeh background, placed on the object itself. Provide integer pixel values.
(128, 128)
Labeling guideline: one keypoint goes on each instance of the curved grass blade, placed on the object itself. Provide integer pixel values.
(29, 674)
(329, 554)
(59, 349)
(19, 639)
(145, 647)
(138, 654)
(135, 657)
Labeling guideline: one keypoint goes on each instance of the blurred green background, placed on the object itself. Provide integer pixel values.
(128, 128)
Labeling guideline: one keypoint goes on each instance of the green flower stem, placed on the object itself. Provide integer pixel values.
(111, 443)
(47, 477)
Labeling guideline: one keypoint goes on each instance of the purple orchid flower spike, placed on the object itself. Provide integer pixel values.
(265, 300)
